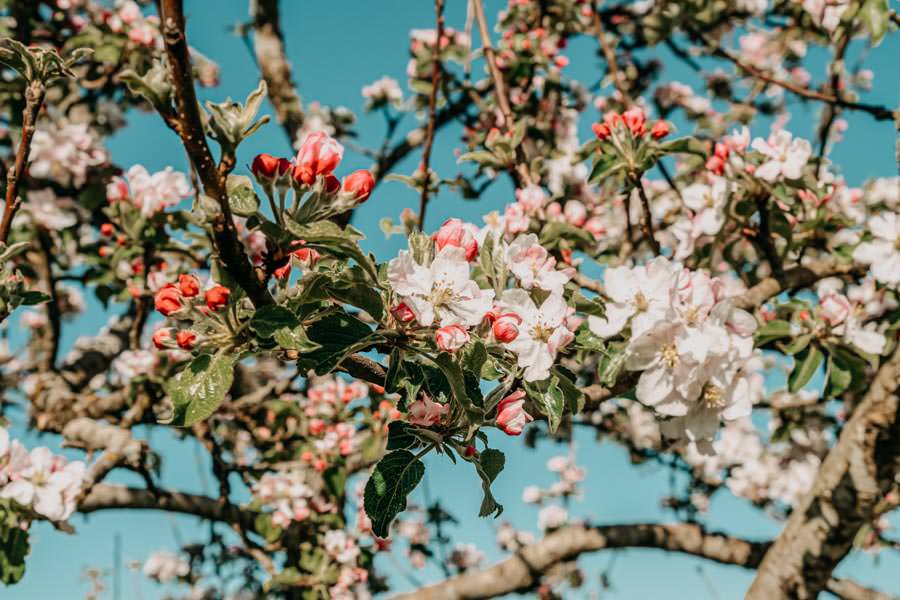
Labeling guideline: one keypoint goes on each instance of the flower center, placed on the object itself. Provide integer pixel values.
(441, 294)
(669, 355)
(640, 302)
(712, 396)
(541, 332)
(692, 316)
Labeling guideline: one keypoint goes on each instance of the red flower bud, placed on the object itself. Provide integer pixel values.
(660, 130)
(456, 233)
(451, 338)
(168, 300)
(403, 313)
(320, 154)
(265, 167)
(188, 285)
(601, 130)
(332, 184)
(185, 339)
(506, 327)
(216, 297)
(161, 337)
(106, 229)
(359, 185)
(636, 120)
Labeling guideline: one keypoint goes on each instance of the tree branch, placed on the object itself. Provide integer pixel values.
(880, 113)
(857, 471)
(105, 497)
(432, 110)
(189, 126)
(793, 279)
(34, 99)
(523, 571)
(268, 45)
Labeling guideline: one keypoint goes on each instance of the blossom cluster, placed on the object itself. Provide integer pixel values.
(693, 349)
(40, 481)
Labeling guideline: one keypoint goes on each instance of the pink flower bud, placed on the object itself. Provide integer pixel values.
(320, 154)
(403, 313)
(834, 308)
(426, 412)
(596, 227)
(457, 234)
(511, 414)
(575, 213)
(451, 338)
(636, 120)
(359, 185)
(506, 327)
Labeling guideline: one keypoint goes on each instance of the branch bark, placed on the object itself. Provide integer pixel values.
(523, 571)
(858, 470)
(189, 126)
(432, 110)
(268, 45)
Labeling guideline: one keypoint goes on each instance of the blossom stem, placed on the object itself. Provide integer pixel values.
(646, 215)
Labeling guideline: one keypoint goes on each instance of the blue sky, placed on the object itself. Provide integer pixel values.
(336, 48)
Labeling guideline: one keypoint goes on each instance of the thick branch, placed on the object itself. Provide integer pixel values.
(523, 570)
(792, 279)
(105, 497)
(268, 44)
(189, 126)
(858, 470)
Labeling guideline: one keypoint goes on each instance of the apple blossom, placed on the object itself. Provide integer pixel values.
(442, 291)
(511, 414)
(461, 235)
(542, 332)
(451, 338)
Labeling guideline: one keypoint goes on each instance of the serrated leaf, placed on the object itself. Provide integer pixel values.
(549, 399)
(199, 388)
(241, 195)
(269, 319)
(338, 335)
(393, 479)
(295, 338)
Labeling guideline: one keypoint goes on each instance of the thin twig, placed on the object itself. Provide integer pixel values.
(880, 113)
(609, 53)
(436, 70)
(34, 99)
(646, 215)
(521, 169)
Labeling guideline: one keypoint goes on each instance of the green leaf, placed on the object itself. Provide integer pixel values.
(773, 330)
(241, 196)
(295, 338)
(489, 464)
(270, 318)
(806, 362)
(401, 436)
(874, 16)
(611, 364)
(682, 145)
(589, 306)
(553, 233)
(482, 157)
(456, 379)
(605, 166)
(338, 336)
(342, 243)
(199, 388)
(264, 527)
(549, 399)
(394, 478)
(798, 344)
(839, 376)
(573, 395)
